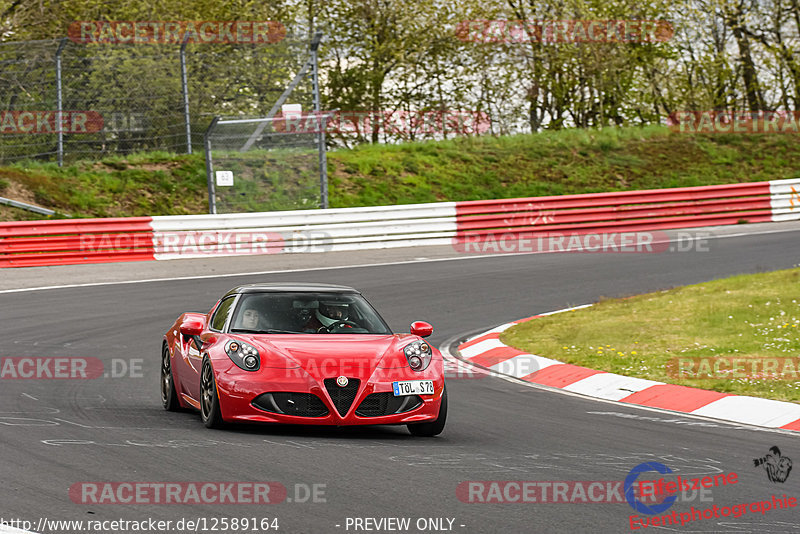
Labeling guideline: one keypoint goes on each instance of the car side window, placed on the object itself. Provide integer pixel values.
(221, 315)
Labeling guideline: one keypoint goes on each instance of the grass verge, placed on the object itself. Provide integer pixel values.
(467, 168)
(746, 316)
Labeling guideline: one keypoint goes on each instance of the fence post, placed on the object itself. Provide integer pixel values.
(276, 106)
(212, 200)
(59, 103)
(185, 86)
(323, 157)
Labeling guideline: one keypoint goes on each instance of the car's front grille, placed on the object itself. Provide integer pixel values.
(288, 403)
(342, 397)
(386, 403)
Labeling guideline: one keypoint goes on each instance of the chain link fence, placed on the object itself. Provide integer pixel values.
(61, 99)
(279, 171)
(263, 163)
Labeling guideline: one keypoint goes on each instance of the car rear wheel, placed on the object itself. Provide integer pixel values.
(434, 428)
(209, 400)
(169, 397)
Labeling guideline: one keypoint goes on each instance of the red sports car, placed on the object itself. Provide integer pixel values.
(302, 354)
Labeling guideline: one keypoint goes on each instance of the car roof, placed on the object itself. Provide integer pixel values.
(293, 287)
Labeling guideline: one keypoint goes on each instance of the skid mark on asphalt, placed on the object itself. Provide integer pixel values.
(169, 444)
(682, 421)
(560, 462)
(25, 421)
(322, 444)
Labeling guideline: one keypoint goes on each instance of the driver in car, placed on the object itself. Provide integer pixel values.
(251, 318)
(327, 315)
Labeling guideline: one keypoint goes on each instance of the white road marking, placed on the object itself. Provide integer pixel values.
(7, 529)
(384, 264)
(232, 275)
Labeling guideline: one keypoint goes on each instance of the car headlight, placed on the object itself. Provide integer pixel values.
(418, 355)
(243, 355)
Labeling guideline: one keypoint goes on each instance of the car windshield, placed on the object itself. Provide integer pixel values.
(306, 313)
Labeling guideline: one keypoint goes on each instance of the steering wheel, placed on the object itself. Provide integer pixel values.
(338, 324)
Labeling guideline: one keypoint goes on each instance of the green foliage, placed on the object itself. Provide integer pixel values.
(271, 180)
(147, 184)
(547, 163)
(414, 55)
(550, 163)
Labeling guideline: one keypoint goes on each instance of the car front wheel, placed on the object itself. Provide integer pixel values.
(169, 397)
(434, 428)
(209, 399)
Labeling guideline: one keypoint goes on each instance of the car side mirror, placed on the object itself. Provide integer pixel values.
(192, 324)
(421, 328)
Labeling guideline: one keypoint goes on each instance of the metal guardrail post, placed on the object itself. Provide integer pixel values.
(276, 106)
(59, 104)
(212, 200)
(323, 156)
(185, 87)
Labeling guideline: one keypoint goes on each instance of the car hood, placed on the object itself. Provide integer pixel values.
(327, 355)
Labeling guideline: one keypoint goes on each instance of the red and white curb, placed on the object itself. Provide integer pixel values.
(487, 351)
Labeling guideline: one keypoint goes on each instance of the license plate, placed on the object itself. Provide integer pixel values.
(413, 387)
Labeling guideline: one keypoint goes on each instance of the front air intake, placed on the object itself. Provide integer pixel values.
(287, 403)
(380, 404)
(342, 397)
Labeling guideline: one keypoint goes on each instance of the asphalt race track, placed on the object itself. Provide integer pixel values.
(57, 433)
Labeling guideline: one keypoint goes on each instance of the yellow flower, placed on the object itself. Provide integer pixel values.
(633, 352)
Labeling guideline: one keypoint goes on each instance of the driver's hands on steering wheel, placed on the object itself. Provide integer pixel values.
(338, 324)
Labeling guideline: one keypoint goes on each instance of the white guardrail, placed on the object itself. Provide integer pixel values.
(785, 200)
(477, 225)
(343, 229)
(337, 229)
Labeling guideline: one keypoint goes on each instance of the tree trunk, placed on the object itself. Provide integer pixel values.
(755, 99)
